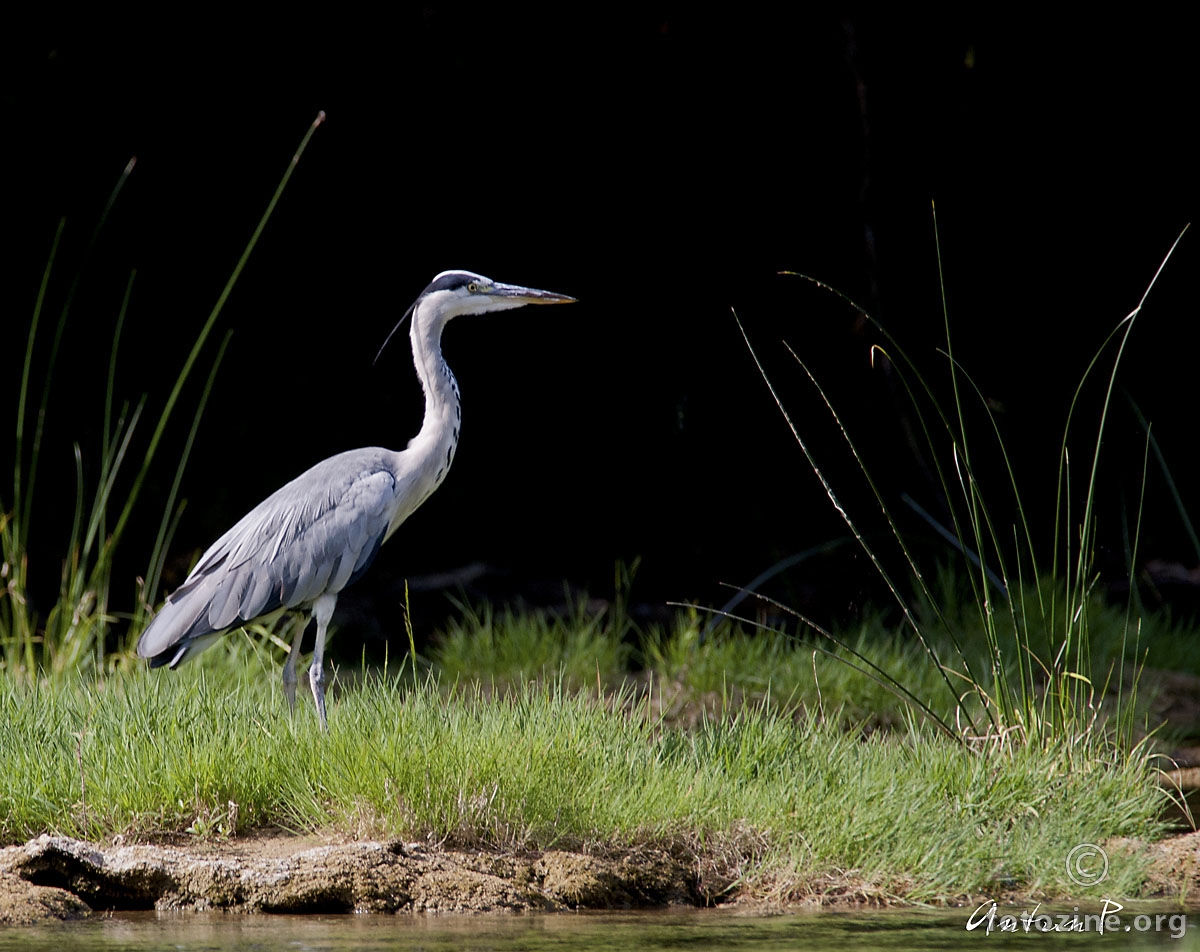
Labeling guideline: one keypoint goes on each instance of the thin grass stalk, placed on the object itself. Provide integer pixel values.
(83, 591)
(170, 517)
(894, 347)
(35, 451)
(972, 497)
(69, 594)
(1176, 496)
(833, 498)
(870, 669)
(22, 624)
(1021, 637)
(1021, 623)
(751, 587)
(163, 419)
(1078, 588)
(996, 581)
(110, 467)
(977, 518)
(1069, 690)
(19, 521)
(902, 359)
(1125, 724)
(979, 514)
(908, 556)
(102, 606)
(80, 618)
(1064, 460)
(110, 384)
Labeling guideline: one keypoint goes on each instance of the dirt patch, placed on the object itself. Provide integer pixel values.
(1175, 865)
(58, 875)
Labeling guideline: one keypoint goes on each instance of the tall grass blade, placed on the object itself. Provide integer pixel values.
(162, 538)
(1173, 487)
(19, 521)
(165, 417)
(1046, 693)
(73, 635)
(48, 377)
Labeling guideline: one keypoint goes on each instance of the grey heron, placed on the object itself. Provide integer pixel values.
(310, 539)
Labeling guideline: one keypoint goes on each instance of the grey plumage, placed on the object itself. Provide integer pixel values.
(317, 534)
(310, 539)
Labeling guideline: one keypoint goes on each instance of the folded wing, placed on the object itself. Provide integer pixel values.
(314, 536)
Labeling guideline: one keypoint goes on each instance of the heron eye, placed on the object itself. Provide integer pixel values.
(473, 287)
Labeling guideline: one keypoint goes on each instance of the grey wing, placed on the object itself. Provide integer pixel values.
(315, 535)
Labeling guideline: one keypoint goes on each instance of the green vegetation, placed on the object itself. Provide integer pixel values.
(966, 752)
(72, 639)
(785, 806)
(1036, 674)
(507, 648)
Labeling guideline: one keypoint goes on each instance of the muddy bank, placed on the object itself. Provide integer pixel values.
(59, 877)
(56, 877)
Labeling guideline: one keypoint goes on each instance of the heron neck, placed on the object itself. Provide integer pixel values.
(443, 409)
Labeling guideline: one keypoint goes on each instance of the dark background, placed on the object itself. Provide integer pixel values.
(662, 166)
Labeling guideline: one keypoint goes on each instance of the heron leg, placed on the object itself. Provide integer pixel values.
(289, 666)
(322, 612)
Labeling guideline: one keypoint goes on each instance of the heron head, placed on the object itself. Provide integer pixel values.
(452, 293)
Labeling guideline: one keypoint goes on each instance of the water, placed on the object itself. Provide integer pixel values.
(690, 930)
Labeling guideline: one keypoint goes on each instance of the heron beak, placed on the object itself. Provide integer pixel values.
(528, 295)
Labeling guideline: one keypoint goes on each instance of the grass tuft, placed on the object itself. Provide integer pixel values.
(1035, 677)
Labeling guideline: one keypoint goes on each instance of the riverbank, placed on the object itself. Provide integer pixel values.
(62, 878)
(424, 798)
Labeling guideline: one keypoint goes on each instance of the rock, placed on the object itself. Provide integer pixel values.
(294, 875)
(643, 878)
(22, 903)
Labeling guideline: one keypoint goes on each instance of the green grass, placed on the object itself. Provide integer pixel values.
(785, 804)
(506, 647)
(733, 665)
